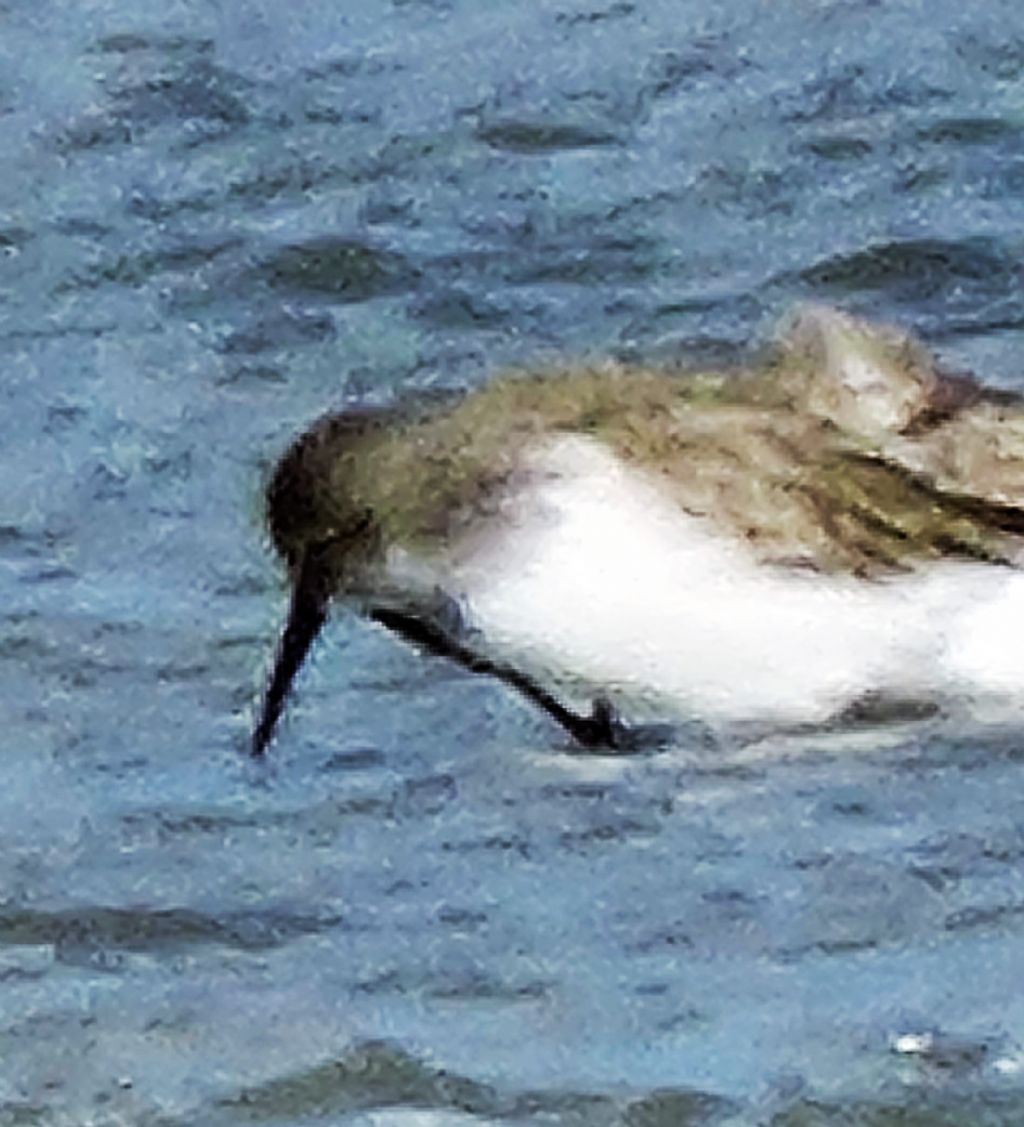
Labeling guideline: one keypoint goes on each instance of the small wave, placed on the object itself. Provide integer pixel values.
(543, 136)
(346, 269)
(76, 932)
(916, 268)
(378, 1074)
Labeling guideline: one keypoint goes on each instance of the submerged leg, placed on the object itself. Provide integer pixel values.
(306, 615)
(601, 730)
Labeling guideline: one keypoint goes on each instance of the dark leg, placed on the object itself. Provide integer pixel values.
(306, 615)
(602, 729)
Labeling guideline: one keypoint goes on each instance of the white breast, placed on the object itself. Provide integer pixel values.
(595, 574)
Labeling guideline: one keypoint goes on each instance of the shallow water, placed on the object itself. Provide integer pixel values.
(217, 221)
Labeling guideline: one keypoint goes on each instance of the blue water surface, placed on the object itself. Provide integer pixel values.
(218, 220)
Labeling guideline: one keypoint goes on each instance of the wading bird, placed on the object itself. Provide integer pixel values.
(841, 525)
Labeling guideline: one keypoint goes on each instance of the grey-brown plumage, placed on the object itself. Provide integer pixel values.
(848, 450)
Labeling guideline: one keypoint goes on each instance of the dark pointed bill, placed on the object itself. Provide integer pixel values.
(306, 615)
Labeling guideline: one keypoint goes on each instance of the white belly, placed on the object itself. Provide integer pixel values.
(597, 576)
